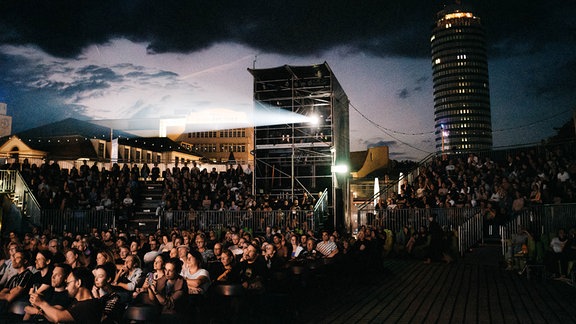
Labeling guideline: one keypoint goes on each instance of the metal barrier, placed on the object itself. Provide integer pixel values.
(7, 180)
(396, 219)
(78, 221)
(255, 220)
(539, 220)
(470, 233)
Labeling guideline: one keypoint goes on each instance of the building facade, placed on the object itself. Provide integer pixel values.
(219, 145)
(462, 117)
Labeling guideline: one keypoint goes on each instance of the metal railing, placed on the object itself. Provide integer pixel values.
(11, 182)
(539, 220)
(414, 218)
(78, 221)
(254, 220)
(470, 233)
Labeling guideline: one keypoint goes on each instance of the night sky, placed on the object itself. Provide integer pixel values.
(166, 59)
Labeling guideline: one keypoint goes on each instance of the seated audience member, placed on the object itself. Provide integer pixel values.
(296, 247)
(9, 270)
(123, 252)
(418, 242)
(72, 256)
(151, 255)
(103, 257)
(274, 263)
(569, 252)
(18, 285)
(207, 254)
(182, 252)
(554, 256)
(309, 253)
(169, 292)
(517, 246)
(156, 273)
(43, 276)
(226, 271)
(253, 270)
(86, 309)
(56, 295)
(327, 248)
(112, 308)
(235, 246)
(217, 252)
(197, 278)
(128, 277)
(55, 249)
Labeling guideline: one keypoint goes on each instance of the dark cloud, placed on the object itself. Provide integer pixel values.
(385, 28)
(403, 93)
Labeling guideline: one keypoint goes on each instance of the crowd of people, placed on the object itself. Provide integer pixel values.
(99, 276)
(501, 188)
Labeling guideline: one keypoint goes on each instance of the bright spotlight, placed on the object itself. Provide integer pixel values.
(341, 168)
(314, 119)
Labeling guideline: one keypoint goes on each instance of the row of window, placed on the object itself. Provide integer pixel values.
(458, 92)
(465, 115)
(450, 76)
(460, 129)
(227, 133)
(473, 38)
(129, 154)
(212, 148)
(458, 65)
(458, 85)
(440, 102)
(462, 71)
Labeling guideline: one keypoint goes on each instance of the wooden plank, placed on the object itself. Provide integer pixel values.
(451, 300)
(411, 291)
(531, 308)
(459, 310)
(431, 306)
(495, 306)
(396, 307)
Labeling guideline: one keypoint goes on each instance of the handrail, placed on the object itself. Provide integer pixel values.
(30, 205)
(321, 204)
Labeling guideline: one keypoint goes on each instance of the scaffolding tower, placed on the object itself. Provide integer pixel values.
(293, 159)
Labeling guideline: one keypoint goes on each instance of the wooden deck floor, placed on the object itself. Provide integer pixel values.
(474, 290)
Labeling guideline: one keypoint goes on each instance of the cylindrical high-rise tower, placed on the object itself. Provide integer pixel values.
(460, 74)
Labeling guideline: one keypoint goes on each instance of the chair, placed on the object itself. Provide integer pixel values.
(142, 313)
(227, 296)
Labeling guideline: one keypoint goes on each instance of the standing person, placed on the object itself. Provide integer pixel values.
(436, 233)
(86, 309)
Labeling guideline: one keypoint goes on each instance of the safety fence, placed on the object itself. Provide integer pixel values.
(78, 221)
(414, 218)
(470, 232)
(540, 220)
(254, 220)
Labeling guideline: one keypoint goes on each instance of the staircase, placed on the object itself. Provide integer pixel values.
(145, 208)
